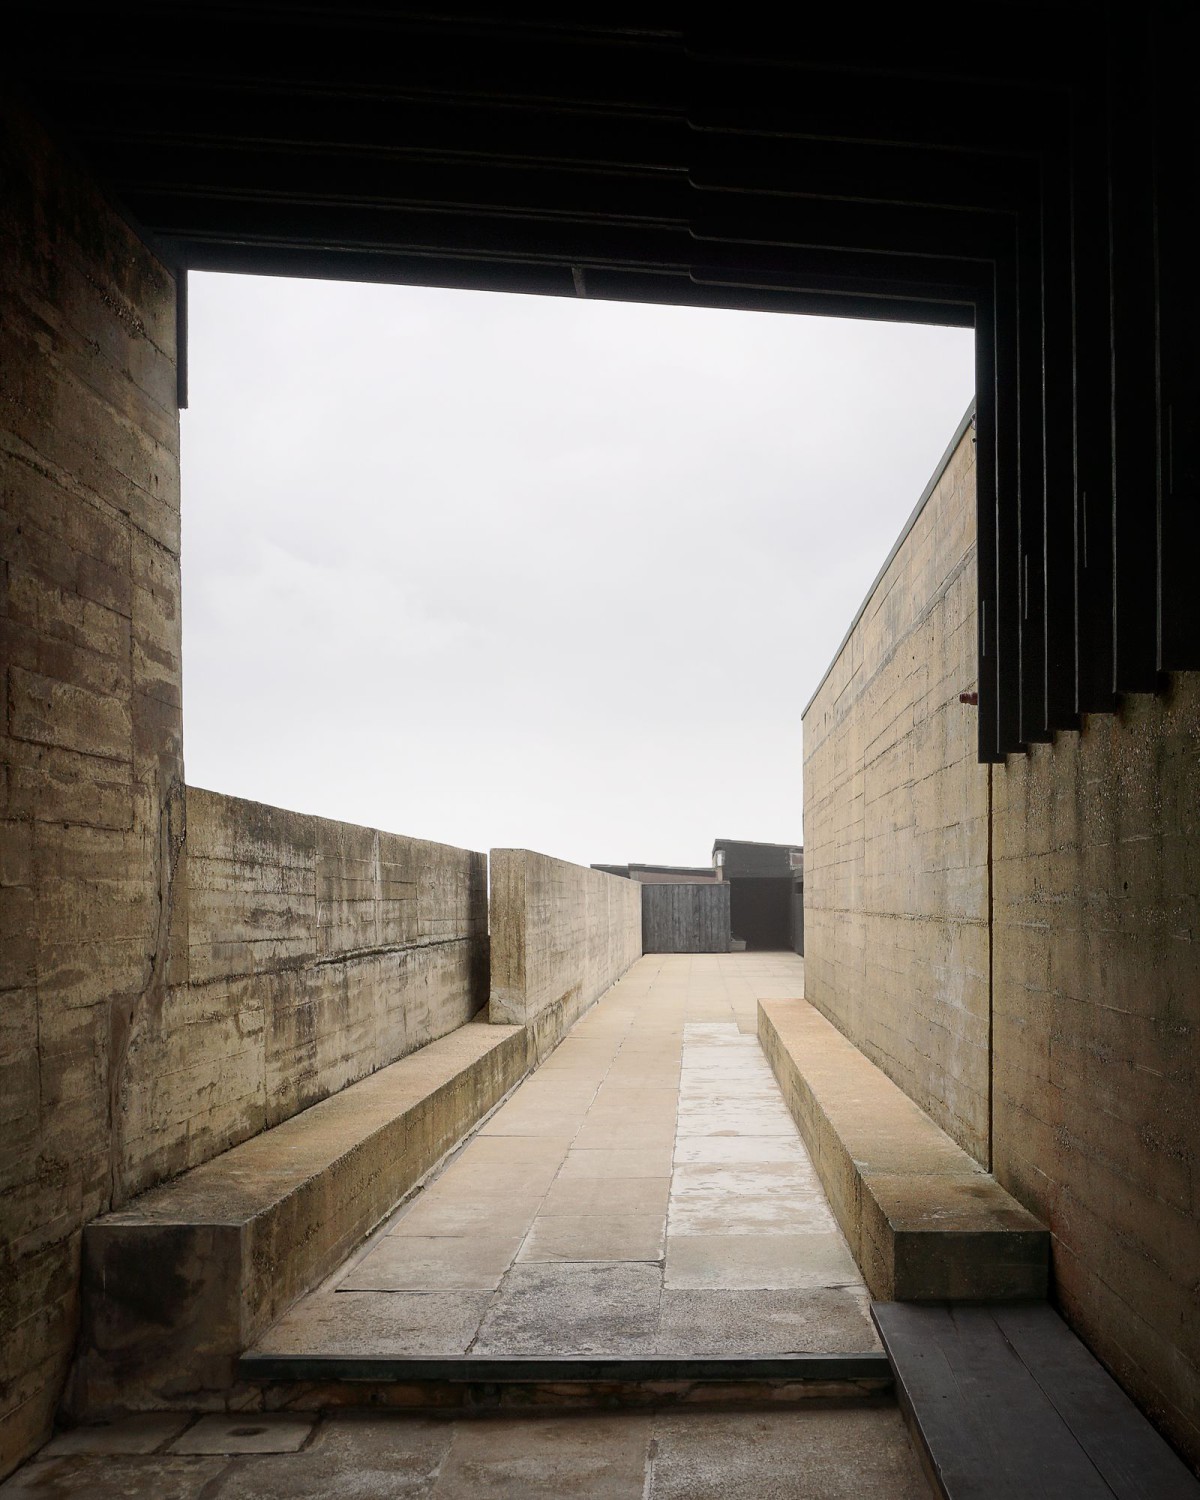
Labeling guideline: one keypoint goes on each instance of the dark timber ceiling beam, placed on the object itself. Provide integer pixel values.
(1026, 171)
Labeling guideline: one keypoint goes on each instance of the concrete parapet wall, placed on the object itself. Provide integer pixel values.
(560, 936)
(308, 954)
(91, 759)
(895, 822)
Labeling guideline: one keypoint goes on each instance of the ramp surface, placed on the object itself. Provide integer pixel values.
(644, 1198)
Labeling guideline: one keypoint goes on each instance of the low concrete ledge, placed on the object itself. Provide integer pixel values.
(179, 1283)
(924, 1220)
(561, 935)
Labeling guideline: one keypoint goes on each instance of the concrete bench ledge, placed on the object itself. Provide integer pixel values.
(924, 1220)
(187, 1276)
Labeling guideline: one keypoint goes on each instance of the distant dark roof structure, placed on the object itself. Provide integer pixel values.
(663, 874)
(1023, 169)
(747, 859)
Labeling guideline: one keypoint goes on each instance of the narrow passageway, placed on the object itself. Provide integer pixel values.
(645, 1191)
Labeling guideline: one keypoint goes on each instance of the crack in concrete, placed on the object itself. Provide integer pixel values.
(127, 1013)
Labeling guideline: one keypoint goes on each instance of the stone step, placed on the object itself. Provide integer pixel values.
(924, 1220)
(187, 1276)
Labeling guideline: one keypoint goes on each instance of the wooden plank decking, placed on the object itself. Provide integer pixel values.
(1004, 1401)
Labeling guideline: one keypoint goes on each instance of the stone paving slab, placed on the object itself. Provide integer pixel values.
(606, 1195)
(351, 1324)
(767, 1262)
(145, 1432)
(626, 1161)
(455, 1217)
(596, 1308)
(758, 1322)
(589, 1238)
(258, 1432)
(821, 1452)
(401, 1263)
(622, 1135)
(734, 1150)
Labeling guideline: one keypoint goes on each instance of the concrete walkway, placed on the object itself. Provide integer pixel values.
(818, 1453)
(644, 1192)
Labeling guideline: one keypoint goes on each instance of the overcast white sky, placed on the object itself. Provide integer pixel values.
(521, 571)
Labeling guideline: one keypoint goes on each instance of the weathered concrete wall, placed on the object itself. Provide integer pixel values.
(178, 971)
(560, 936)
(313, 953)
(895, 822)
(1096, 845)
(92, 765)
(1095, 946)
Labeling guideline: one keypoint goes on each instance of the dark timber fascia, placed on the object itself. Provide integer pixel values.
(569, 1369)
(1032, 180)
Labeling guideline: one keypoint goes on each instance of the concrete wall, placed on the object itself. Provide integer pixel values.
(92, 782)
(1094, 936)
(309, 954)
(560, 935)
(1097, 1032)
(179, 970)
(895, 821)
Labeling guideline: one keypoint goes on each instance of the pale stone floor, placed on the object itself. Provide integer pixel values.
(814, 1453)
(645, 1191)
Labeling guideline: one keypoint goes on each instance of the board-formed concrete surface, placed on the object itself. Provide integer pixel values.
(644, 1192)
(1018, 946)
(820, 1452)
(927, 1223)
(92, 737)
(1097, 1046)
(560, 935)
(306, 954)
(179, 1282)
(895, 820)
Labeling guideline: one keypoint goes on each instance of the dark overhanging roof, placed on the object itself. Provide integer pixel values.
(602, 156)
(1021, 168)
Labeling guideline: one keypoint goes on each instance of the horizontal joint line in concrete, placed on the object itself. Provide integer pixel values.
(325, 960)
